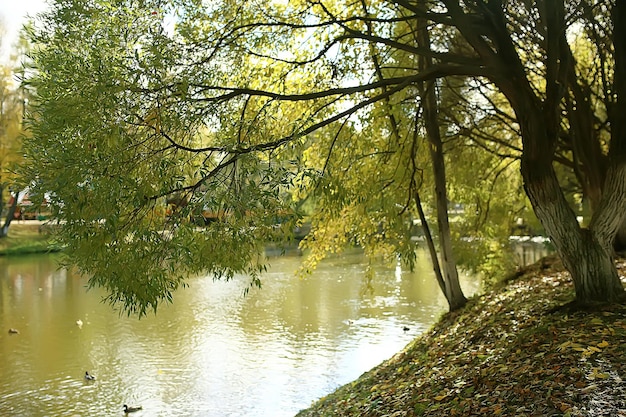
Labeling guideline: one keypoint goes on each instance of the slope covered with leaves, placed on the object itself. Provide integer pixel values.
(514, 352)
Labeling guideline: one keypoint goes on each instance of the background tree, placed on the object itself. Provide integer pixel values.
(12, 108)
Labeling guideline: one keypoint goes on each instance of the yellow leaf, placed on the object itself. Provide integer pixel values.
(603, 344)
(596, 374)
(563, 345)
(440, 397)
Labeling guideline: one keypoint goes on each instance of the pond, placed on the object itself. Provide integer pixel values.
(213, 352)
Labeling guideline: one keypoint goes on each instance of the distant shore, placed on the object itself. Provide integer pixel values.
(27, 237)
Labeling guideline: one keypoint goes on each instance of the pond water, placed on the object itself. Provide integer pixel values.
(213, 352)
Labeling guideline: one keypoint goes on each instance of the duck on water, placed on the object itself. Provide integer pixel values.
(132, 409)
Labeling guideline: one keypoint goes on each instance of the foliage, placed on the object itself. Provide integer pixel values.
(152, 117)
(147, 158)
(363, 192)
(138, 115)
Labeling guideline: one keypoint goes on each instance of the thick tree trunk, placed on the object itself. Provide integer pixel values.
(593, 271)
(586, 253)
(618, 109)
(620, 239)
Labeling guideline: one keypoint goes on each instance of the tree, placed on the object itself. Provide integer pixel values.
(587, 253)
(11, 129)
(214, 103)
(428, 97)
(382, 174)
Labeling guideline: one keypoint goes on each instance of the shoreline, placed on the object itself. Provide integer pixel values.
(514, 351)
(26, 237)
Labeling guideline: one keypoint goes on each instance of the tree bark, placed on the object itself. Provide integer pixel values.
(432, 249)
(618, 109)
(453, 292)
(586, 253)
(620, 239)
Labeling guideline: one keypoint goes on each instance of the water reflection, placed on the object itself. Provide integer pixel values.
(211, 353)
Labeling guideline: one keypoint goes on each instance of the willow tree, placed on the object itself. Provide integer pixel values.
(210, 104)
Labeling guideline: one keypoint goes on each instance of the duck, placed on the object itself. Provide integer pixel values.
(406, 329)
(89, 377)
(132, 409)
(79, 323)
(13, 331)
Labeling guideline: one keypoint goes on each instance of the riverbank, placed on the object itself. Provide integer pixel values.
(27, 237)
(512, 352)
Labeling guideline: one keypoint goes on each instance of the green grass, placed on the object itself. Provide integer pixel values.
(26, 238)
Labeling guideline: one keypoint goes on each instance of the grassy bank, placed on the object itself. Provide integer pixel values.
(513, 352)
(26, 238)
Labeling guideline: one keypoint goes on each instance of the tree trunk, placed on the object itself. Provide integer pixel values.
(432, 249)
(620, 239)
(446, 274)
(452, 288)
(593, 271)
(453, 292)
(586, 253)
(4, 230)
(618, 124)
